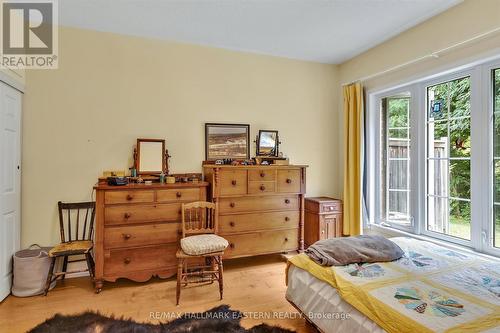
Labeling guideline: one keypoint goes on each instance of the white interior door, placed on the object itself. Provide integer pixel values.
(10, 182)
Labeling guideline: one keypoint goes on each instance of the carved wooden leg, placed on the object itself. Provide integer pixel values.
(90, 265)
(65, 267)
(221, 279)
(180, 265)
(98, 286)
(49, 275)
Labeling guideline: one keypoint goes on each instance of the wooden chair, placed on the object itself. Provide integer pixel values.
(200, 242)
(76, 239)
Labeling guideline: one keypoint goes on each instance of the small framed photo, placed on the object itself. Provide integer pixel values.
(227, 141)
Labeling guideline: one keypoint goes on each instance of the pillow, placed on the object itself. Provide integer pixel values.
(350, 250)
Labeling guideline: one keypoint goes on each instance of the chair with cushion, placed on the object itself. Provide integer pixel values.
(200, 243)
(76, 224)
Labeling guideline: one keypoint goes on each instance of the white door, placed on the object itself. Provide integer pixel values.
(10, 182)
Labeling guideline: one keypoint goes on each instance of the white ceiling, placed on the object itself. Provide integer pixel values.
(327, 31)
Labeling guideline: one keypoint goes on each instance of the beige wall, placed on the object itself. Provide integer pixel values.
(110, 89)
(462, 22)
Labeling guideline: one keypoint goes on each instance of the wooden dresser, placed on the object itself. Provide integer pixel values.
(323, 219)
(138, 228)
(261, 208)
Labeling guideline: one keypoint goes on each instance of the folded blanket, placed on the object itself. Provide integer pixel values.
(349, 250)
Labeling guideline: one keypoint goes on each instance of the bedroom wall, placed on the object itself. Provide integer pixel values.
(110, 89)
(462, 22)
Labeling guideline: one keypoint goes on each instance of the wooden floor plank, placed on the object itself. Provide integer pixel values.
(254, 285)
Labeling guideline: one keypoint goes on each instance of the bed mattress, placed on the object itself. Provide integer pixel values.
(324, 306)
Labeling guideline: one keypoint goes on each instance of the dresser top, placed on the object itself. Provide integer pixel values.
(322, 199)
(260, 166)
(156, 186)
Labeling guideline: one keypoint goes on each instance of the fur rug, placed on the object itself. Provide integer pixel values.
(216, 320)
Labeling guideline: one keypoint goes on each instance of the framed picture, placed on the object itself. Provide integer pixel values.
(227, 141)
(267, 143)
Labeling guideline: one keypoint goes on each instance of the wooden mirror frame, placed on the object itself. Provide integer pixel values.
(137, 157)
(276, 147)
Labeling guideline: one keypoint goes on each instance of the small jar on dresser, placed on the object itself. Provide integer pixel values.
(323, 219)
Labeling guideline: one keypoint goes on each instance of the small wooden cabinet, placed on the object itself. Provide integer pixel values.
(261, 208)
(323, 219)
(138, 228)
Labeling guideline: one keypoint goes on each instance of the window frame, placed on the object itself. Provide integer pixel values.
(482, 104)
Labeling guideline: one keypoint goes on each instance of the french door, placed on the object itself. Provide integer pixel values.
(10, 182)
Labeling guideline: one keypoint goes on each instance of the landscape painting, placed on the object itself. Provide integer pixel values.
(224, 141)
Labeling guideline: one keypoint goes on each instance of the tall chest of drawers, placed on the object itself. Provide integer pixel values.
(261, 208)
(137, 229)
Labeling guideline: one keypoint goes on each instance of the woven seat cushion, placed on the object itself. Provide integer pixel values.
(70, 248)
(203, 244)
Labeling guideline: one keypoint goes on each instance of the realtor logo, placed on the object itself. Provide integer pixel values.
(29, 34)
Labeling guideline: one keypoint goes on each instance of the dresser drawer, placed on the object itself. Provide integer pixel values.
(142, 213)
(121, 261)
(141, 235)
(120, 197)
(261, 242)
(261, 187)
(255, 204)
(331, 207)
(230, 224)
(187, 195)
(261, 175)
(288, 181)
(233, 182)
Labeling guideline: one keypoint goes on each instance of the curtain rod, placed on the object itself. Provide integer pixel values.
(433, 55)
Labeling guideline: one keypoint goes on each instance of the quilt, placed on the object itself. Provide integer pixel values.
(430, 289)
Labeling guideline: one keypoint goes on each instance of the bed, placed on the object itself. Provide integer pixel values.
(430, 289)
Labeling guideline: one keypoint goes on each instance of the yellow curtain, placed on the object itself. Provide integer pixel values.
(353, 127)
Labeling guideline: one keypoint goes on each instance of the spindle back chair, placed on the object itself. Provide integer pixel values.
(76, 228)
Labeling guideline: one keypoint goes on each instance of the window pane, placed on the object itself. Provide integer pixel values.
(395, 173)
(460, 179)
(398, 175)
(459, 97)
(448, 158)
(398, 148)
(438, 101)
(437, 218)
(438, 177)
(496, 155)
(496, 225)
(398, 204)
(460, 137)
(459, 219)
(397, 112)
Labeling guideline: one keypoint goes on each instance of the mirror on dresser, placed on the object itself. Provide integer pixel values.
(150, 157)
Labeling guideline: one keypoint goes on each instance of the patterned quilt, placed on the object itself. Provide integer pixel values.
(430, 289)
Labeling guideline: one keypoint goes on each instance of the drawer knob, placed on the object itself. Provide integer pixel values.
(262, 188)
(322, 231)
(179, 211)
(287, 201)
(178, 194)
(288, 181)
(231, 224)
(127, 215)
(129, 197)
(127, 261)
(127, 236)
(232, 205)
(233, 182)
(331, 208)
(231, 245)
(262, 174)
(286, 239)
(287, 219)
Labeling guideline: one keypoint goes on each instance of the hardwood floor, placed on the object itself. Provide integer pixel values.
(254, 285)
